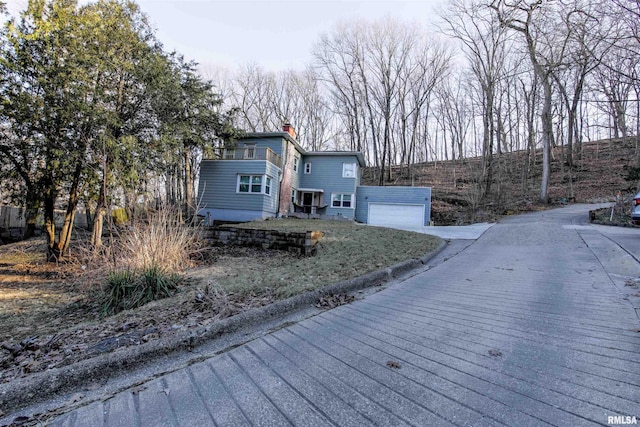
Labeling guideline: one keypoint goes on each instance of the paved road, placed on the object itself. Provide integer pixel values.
(530, 325)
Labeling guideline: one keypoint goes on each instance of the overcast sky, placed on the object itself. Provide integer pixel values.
(274, 34)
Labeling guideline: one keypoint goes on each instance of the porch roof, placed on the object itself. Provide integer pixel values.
(311, 190)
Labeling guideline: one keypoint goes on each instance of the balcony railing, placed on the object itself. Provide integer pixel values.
(247, 153)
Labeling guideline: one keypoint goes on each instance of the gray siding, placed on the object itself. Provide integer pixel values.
(400, 195)
(326, 173)
(218, 184)
(218, 180)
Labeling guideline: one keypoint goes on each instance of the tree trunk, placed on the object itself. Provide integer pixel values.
(61, 248)
(487, 150)
(89, 216)
(50, 225)
(98, 225)
(101, 209)
(32, 204)
(547, 139)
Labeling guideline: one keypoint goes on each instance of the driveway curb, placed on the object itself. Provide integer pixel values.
(43, 385)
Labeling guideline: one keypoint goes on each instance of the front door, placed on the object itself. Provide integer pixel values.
(307, 199)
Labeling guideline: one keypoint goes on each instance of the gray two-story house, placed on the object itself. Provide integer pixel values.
(268, 174)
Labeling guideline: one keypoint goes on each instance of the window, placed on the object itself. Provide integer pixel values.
(341, 200)
(249, 151)
(293, 196)
(307, 168)
(258, 184)
(244, 182)
(348, 170)
(229, 153)
(267, 185)
(295, 164)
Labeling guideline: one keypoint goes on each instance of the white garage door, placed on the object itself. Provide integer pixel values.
(387, 214)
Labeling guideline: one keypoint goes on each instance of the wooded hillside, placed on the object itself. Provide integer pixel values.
(602, 170)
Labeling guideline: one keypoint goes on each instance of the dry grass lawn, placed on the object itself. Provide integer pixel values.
(346, 250)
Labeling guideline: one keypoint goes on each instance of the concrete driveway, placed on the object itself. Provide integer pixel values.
(527, 326)
(461, 232)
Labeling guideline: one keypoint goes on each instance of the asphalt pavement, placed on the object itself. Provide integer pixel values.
(534, 323)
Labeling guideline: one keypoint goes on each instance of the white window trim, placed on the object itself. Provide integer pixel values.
(353, 201)
(264, 188)
(229, 153)
(307, 168)
(355, 170)
(263, 184)
(249, 151)
(296, 163)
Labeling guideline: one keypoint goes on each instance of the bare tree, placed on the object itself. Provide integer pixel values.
(485, 43)
(336, 61)
(627, 14)
(426, 68)
(538, 24)
(252, 94)
(584, 26)
(381, 76)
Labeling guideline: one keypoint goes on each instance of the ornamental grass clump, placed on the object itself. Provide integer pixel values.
(145, 260)
(162, 240)
(125, 289)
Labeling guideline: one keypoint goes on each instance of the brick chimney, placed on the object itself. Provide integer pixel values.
(289, 129)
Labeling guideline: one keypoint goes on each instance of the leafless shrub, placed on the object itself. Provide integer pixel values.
(213, 299)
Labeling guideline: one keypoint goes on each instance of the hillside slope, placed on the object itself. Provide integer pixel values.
(599, 173)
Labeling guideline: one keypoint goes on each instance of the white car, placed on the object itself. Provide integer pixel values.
(635, 213)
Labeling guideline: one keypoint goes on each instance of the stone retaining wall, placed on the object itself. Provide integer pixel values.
(301, 243)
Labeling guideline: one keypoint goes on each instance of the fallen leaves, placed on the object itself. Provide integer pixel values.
(495, 353)
(334, 300)
(393, 365)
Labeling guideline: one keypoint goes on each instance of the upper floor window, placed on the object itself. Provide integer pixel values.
(348, 170)
(256, 184)
(229, 153)
(295, 164)
(250, 151)
(307, 168)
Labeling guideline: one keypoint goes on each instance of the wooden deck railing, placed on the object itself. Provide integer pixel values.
(244, 153)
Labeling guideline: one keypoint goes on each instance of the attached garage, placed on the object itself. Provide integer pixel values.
(390, 214)
(407, 207)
